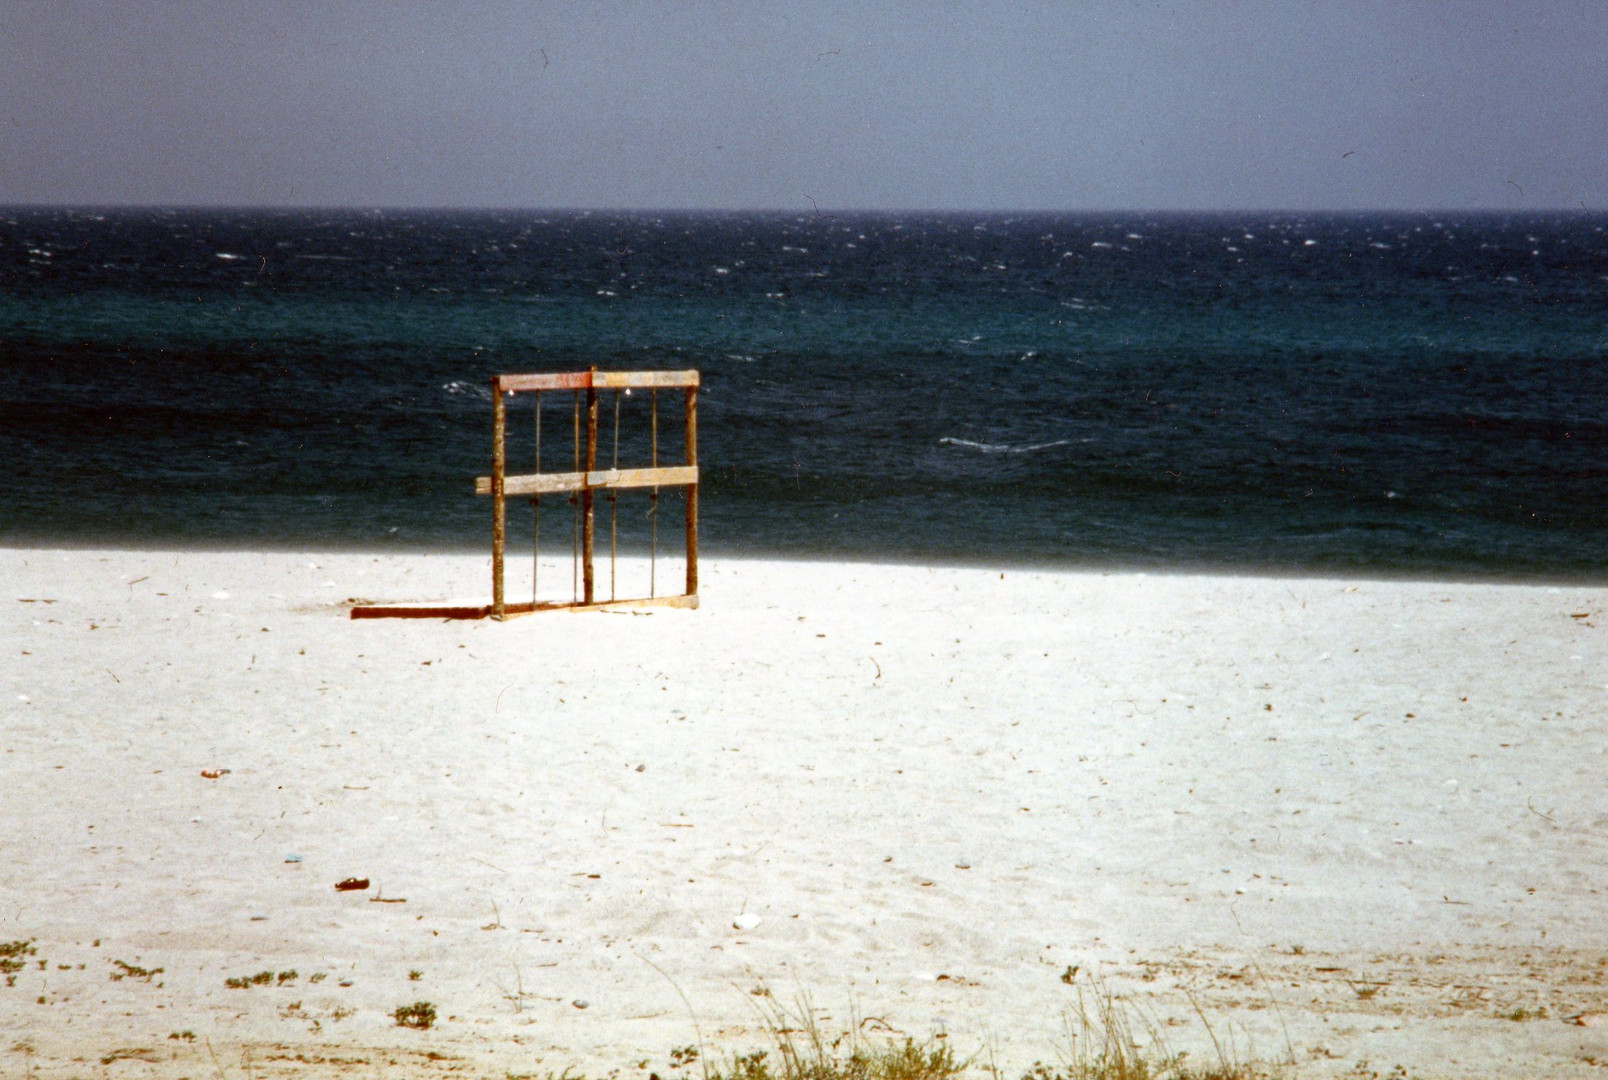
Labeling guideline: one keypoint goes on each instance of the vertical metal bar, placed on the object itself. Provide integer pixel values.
(575, 498)
(536, 510)
(614, 499)
(692, 492)
(587, 524)
(653, 499)
(498, 501)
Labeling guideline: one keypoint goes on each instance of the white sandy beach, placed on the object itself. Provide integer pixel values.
(1355, 821)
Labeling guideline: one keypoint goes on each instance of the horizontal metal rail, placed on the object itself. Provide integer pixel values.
(548, 483)
(593, 380)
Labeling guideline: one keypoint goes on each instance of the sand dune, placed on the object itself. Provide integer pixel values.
(1358, 821)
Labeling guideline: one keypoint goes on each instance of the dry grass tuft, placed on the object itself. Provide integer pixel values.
(1107, 1039)
(799, 1051)
(1104, 1043)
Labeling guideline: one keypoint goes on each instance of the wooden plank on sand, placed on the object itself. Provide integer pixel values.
(481, 611)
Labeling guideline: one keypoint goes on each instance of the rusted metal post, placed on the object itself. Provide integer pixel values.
(653, 500)
(586, 492)
(499, 505)
(692, 492)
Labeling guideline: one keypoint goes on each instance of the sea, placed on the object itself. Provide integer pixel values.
(1408, 394)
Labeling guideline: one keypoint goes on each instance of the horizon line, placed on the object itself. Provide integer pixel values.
(421, 208)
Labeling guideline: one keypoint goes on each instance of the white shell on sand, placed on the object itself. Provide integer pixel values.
(746, 921)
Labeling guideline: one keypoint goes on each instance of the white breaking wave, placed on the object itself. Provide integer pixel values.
(1003, 448)
(472, 389)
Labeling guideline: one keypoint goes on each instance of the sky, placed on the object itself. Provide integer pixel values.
(1079, 105)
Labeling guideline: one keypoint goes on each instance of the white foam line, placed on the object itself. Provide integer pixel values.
(1003, 448)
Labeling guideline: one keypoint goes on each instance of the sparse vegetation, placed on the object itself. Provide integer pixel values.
(133, 971)
(420, 1015)
(799, 1051)
(264, 978)
(1104, 1045)
(909, 1061)
(808, 1058)
(11, 958)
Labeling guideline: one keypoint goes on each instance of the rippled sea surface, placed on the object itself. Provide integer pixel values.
(1382, 394)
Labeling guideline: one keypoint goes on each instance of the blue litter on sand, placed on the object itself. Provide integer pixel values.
(293, 858)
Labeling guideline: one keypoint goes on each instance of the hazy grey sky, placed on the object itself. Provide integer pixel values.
(1279, 104)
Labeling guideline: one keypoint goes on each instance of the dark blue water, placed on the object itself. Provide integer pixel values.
(1410, 393)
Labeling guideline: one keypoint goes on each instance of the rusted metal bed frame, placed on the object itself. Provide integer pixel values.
(582, 482)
